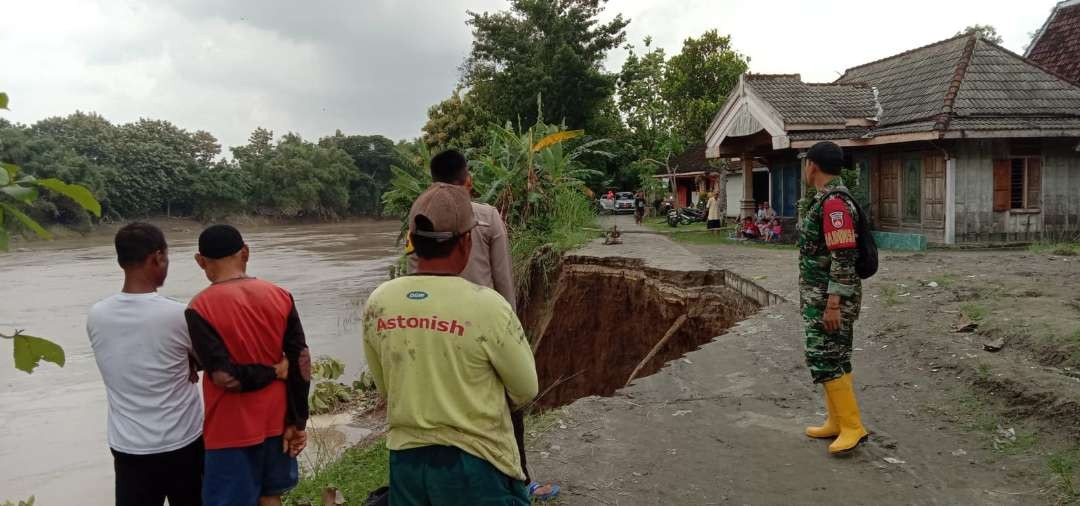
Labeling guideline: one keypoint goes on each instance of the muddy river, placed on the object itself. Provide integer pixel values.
(53, 442)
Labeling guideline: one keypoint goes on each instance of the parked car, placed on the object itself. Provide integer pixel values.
(624, 202)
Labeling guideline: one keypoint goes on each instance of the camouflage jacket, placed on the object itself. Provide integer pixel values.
(827, 249)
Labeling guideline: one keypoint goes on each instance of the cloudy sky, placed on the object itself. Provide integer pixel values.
(375, 66)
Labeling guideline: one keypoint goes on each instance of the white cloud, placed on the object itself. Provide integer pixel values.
(375, 66)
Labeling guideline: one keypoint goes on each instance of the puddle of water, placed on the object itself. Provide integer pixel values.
(54, 445)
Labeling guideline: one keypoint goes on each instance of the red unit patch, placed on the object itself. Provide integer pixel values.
(838, 226)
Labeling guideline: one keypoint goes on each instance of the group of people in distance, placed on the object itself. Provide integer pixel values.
(444, 346)
(763, 225)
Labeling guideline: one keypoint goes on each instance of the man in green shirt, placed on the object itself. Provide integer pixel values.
(445, 354)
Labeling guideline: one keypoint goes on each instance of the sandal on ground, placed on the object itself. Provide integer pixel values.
(534, 486)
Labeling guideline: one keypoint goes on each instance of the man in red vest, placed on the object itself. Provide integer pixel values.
(255, 421)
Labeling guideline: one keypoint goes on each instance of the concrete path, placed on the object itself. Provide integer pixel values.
(723, 425)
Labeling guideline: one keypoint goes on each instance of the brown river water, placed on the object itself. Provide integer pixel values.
(53, 442)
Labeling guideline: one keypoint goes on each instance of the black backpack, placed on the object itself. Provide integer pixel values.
(866, 264)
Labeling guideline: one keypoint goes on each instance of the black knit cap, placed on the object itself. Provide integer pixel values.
(220, 241)
(828, 155)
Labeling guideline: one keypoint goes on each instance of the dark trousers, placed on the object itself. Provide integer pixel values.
(147, 480)
(447, 476)
(518, 419)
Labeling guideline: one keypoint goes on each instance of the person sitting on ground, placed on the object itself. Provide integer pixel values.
(141, 346)
(776, 231)
(489, 265)
(255, 423)
(769, 212)
(445, 354)
(759, 215)
(763, 229)
(749, 230)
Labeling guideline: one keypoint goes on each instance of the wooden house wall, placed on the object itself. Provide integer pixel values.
(1058, 216)
(1061, 191)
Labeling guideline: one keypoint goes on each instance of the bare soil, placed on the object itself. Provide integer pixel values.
(951, 422)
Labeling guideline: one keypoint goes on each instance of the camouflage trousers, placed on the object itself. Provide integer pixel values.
(828, 354)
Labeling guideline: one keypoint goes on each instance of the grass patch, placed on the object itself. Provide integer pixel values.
(1004, 436)
(974, 312)
(358, 472)
(696, 233)
(890, 295)
(536, 424)
(983, 370)
(1064, 466)
(944, 281)
(1066, 249)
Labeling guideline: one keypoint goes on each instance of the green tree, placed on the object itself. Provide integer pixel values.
(457, 122)
(372, 155)
(551, 50)
(987, 32)
(641, 98)
(220, 190)
(697, 82)
(299, 178)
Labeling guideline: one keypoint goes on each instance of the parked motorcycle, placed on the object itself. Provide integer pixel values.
(690, 215)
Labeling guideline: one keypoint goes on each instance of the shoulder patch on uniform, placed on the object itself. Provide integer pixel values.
(838, 225)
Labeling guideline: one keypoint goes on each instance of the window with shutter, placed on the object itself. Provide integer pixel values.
(1002, 185)
(1034, 183)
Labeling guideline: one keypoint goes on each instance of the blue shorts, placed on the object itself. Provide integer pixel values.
(240, 476)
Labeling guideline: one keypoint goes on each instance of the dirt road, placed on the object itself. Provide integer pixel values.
(951, 423)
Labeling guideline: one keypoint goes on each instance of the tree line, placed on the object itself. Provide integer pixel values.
(537, 59)
(153, 167)
(543, 58)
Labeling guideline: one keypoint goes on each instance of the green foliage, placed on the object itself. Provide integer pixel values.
(299, 178)
(29, 501)
(539, 49)
(30, 351)
(358, 472)
(698, 80)
(1065, 467)
(457, 122)
(987, 32)
(535, 178)
(372, 156)
(328, 395)
(974, 312)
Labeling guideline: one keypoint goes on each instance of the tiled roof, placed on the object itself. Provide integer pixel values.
(912, 85)
(1057, 44)
(1016, 123)
(810, 103)
(694, 160)
(1000, 83)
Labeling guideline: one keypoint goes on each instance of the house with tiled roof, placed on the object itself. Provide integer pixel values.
(1056, 46)
(957, 141)
(691, 175)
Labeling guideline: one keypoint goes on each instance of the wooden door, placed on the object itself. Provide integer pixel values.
(934, 192)
(889, 194)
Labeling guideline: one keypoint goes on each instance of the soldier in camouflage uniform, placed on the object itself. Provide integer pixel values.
(830, 294)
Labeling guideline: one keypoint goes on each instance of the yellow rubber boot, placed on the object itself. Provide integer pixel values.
(842, 393)
(831, 427)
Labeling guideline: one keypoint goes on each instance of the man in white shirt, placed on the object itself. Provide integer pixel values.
(141, 345)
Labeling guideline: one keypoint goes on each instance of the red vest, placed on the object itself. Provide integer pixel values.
(250, 316)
